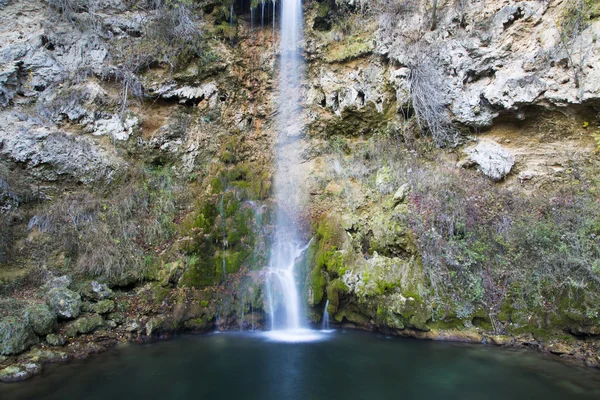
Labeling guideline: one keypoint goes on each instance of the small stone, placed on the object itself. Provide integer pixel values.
(56, 340)
(132, 326)
(401, 193)
(41, 319)
(64, 302)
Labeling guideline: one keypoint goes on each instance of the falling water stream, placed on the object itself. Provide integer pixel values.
(325, 325)
(286, 312)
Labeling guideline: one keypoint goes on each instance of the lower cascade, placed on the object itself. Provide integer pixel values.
(326, 317)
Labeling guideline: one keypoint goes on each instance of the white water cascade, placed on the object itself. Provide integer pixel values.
(282, 293)
(325, 324)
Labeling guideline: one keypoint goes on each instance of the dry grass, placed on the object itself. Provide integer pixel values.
(110, 236)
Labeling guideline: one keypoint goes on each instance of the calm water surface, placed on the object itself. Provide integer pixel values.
(345, 365)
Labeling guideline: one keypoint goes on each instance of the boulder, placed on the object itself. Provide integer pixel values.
(64, 302)
(15, 335)
(492, 159)
(40, 318)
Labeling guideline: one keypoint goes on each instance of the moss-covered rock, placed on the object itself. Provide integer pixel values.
(117, 317)
(64, 302)
(56, 339)
(20, 372)
(41, 319)
(45, 356)
(15, 335)
(85, 324)
(102, 307)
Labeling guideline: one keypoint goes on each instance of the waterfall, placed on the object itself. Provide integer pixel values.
(262, 14)
(286, 312)
(325, 324)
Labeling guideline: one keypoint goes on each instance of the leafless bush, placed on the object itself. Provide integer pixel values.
(428, 98)
(175, 21)
(67, 7)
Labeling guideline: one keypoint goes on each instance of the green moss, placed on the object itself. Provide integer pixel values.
(317, 285)
(353, 47)
(446, 324)
(350, 314)
(336, 289)
(160, 293)
(199, 272)
(199, 324)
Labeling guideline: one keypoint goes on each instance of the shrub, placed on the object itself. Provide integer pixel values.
(479, 242)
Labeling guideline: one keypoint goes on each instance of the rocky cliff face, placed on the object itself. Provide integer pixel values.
(450, 166)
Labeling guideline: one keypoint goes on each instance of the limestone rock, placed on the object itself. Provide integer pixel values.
(64, 302)
(15, 335)
(401, 193)
(41, 319)
(492, 159)
(50, 154)
(8, 83)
